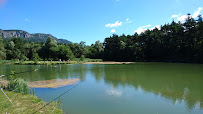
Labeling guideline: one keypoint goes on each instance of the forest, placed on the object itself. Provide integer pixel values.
(172, 42)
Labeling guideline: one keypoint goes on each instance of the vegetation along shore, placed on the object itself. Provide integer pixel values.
(172, 42)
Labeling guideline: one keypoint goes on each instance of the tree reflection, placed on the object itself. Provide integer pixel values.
(176, 82)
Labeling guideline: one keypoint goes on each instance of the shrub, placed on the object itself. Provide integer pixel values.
(23, 58)
(13, 60)
(82, 58)
(18, 85)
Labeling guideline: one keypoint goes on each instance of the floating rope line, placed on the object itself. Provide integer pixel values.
(22, 72)
(57, 97)
(6, 96)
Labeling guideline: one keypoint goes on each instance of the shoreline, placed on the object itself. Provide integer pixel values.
(80, 62)
(108, 62)
(70, 62)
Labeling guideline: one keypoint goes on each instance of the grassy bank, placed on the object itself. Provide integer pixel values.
(36, 63)
(74, 61)
(25, 104)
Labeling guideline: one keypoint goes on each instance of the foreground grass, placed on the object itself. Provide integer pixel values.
(24, 104)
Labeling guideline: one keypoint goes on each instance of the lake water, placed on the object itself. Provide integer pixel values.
(147, 88)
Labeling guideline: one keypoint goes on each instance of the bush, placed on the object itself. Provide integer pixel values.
(18, 85)
(23, 58)
(13, 60)
(82, 58)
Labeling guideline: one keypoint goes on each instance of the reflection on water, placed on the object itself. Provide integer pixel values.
(175, 84)
(113, 91)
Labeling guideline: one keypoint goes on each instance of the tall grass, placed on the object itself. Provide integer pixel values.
(18, 85)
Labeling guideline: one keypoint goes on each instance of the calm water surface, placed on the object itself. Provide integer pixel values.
(149, 88)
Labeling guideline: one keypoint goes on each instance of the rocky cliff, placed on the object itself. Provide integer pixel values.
(38, 37)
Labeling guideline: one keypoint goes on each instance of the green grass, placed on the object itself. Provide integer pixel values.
(25, 104)
(43, 62)
(74, 61)
(5, 61)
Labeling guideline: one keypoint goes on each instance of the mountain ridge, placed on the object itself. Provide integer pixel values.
(35, 37)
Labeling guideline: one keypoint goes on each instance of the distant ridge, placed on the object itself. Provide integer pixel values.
(37, 37)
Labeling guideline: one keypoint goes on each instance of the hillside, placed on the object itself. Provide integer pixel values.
(37, 37)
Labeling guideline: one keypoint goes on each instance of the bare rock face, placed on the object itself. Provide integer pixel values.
(38, 37)
(14, 34)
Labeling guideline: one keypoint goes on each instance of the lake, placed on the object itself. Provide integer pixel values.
(147, 88)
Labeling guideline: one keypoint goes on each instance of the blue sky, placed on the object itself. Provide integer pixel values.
(92, 20)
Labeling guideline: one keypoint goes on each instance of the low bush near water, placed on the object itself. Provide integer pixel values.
(19, 85)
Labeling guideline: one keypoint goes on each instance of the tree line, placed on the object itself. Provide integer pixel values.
(172, 42)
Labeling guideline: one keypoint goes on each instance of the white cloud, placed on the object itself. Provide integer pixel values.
(113, 30)
(182, 18)
(157, 26)
(117, 0)
(179, 14)
(116, 24)
(27, 20)
(200, 8)
(172, 16)
(142, 29)
(128, 20)
(197, 12)
(146, 26)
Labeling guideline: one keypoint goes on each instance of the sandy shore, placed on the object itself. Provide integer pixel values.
(108, 62)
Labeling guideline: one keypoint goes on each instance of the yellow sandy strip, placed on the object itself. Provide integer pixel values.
(55, 83)
(108, 62)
